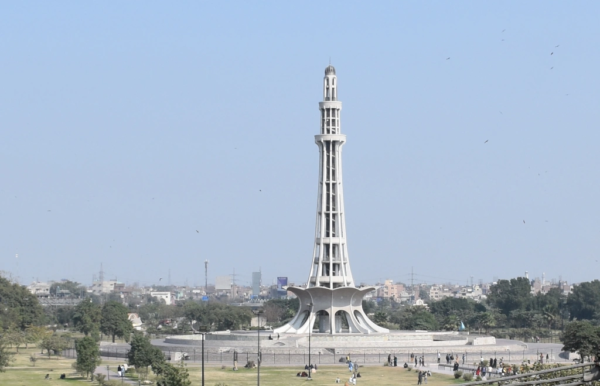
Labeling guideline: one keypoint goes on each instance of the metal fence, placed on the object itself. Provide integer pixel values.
(366, 356)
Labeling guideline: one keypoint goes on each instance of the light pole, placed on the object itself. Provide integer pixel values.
(309, 331)
(258, 356)
(204, 330)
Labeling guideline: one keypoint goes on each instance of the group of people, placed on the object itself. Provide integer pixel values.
(419, 360)
(392, 361)
(121, 370)
(422, 377)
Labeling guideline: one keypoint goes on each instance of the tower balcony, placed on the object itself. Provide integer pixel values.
(327, 279)
(330, 240)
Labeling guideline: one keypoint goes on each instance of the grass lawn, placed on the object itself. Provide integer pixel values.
(22, 373)
(326, 375)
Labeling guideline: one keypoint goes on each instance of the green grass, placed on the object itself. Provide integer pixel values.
(22, 373)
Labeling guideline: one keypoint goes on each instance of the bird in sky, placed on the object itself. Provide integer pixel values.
(486, 141)
(503, 30)
(160, 279)
(448, 58)
(197, 231)
(557, 46)
(551, 68)
(523, 221)
(552, 53)
(49, 210)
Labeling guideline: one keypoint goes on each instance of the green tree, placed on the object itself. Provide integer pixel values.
(74, 288)
(584, 301)
(114, 321)
(581, 337)
(14, 338)
(88, 356)
(143, 354)
(414, 318)
(87, 317)
(510, 295)
(19, 308)
(172, 375)
(485, 320)
(368, 306)
(5, 355)
(380, 318)
(53, 344)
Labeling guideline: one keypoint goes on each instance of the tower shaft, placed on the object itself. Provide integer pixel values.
(330, 265)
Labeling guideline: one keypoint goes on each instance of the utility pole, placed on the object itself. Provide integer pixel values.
(206, 276)
(412, 285)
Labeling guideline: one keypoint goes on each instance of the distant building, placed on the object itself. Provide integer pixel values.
(39, 289)
(166, 296)
(135, 320)
(256, 282)
(103, 287)
(390, 290)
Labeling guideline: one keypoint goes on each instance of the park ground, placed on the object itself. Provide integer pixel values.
(22, 372)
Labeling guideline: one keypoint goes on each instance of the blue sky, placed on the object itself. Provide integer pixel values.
(150, 136)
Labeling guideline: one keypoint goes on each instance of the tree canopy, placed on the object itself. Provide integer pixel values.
(114, 321)
(19, 308)
(88, 355)
(584, 301)
(510, 295)
(87, 317)
(581, 337)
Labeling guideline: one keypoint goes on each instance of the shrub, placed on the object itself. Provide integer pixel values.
(468, 377)
(385, 364)
(409, 368)
(478, 378)
(458, 374)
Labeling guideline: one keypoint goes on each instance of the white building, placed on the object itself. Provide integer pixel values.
(166, 296)
(39, 289)
(103, 287)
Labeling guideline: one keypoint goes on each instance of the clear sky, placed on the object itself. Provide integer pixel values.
(150, 136)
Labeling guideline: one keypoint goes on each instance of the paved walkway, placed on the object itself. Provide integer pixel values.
(111, 373)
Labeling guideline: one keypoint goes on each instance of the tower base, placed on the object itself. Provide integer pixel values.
(330, 306)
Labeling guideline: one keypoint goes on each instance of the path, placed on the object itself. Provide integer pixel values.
(113, 374)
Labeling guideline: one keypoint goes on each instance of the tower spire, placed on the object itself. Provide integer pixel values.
(330, 267)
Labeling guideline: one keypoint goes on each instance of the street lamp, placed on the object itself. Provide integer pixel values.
(204, 330)
(258, 356)
(309, 330)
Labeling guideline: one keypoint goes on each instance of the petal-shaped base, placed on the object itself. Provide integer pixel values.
(330, 304)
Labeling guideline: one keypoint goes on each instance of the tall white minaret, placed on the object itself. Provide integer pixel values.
(330, 266)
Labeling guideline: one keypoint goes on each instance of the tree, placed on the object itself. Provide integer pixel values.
(581, 337)
(5, 356)
(14, 338)
(380, 318)
(53, 344)
(172, 375)
(87, 317)
(142, 354)
(584, 300)
(19, 308)
(34, 334)
(74, 288)
(114, 321)
(88, 355)
(510, 295)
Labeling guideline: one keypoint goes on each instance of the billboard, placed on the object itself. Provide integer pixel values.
(282, 282)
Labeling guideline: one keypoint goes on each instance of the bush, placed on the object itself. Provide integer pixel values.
(385, 364)
(468, 377)
(478, 378)
(409, 368)
(458, 374)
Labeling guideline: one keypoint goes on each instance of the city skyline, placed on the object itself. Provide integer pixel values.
(168, 139)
